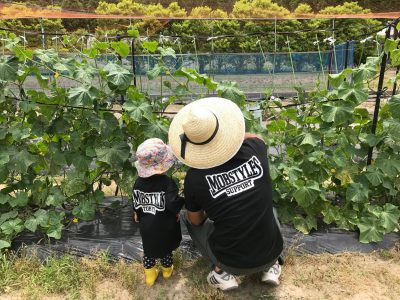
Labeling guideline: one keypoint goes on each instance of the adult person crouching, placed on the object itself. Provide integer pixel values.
(228, 192)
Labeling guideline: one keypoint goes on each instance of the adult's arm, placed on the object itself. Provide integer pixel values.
(249, 135)
(196, 217)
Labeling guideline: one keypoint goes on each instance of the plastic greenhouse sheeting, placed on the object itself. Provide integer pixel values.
(114, 231)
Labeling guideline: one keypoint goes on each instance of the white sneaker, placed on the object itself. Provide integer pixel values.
(272, 275)
(224, 281)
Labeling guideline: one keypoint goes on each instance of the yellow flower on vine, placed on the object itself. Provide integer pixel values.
(75, 220)
(56, 74)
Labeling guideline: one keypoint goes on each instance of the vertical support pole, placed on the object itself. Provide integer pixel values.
(120, 59)
(396, 35)
(346, 58)
(378, 96)
(329, 67)
(43, 37)
(133, 61)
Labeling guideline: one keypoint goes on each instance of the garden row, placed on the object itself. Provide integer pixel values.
(59, 145)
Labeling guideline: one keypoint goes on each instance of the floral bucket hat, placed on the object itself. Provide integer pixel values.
(153, 157)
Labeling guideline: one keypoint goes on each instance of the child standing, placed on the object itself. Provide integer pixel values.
(156, 205)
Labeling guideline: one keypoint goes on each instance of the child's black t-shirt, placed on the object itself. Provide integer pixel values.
(156, 201)
(237, 196)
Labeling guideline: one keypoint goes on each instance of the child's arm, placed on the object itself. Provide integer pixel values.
(135, 217)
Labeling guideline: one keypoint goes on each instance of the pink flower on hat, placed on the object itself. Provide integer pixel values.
(153, 157)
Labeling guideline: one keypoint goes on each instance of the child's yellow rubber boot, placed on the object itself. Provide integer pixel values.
(151, 275)
(167, 272)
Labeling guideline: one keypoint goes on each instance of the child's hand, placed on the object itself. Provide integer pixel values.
(178, 217)
(136, 217)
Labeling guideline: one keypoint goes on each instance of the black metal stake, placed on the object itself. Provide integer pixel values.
(396, 35)
(120, 59)
(133, 61)
(378, 96)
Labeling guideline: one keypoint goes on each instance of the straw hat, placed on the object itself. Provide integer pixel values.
(207, 133)
(153, 157)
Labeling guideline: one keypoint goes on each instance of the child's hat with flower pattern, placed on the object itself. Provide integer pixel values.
(153, 157)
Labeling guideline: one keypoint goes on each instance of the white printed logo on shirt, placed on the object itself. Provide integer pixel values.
(237, 180)
(149, 202)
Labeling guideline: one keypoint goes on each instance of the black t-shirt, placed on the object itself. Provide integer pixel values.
(156, 201)
(237, 196)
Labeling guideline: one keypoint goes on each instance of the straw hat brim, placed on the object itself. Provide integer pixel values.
(222, 147)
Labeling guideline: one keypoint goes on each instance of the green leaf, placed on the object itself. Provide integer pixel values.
(115, 155)
(231, 91)
(80, 161)
(27, 106)
(337, 114)
(150, 46)
(8, 215)
(85, 73)
(304, 225)
(375, 176)
(155, 129)
(167, 52)
(355, 92)
(336, 79)
(82, 95)
(8, 68)
(137, 110)
(193, 75)
(331, 214)
(55, 231)
(394, 106)
(31, 224)
(47, 55)
(371, 139)
(395, 57)
(391, 167)
(4, 198)
(4, 158)
(118, 78)
(364, 72)
(55, 197)
(155, 72)
(91, 52)
(121, 48)
(22, 161)
(357, 193)
(390, 45)
(306, 195)
(390, 217)
(310, 139)
(42, 217)
(276, 126)
(74, 186)
(370, 230)
(85, 210)
(133, 32)
(11, 227)
(4, 244)
(20, 200)
(100, 45)
(22, 53)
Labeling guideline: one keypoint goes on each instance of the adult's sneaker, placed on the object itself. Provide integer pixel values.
(271, 276)
(224, 281)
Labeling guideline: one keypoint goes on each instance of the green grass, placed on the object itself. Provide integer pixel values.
(65, 275)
